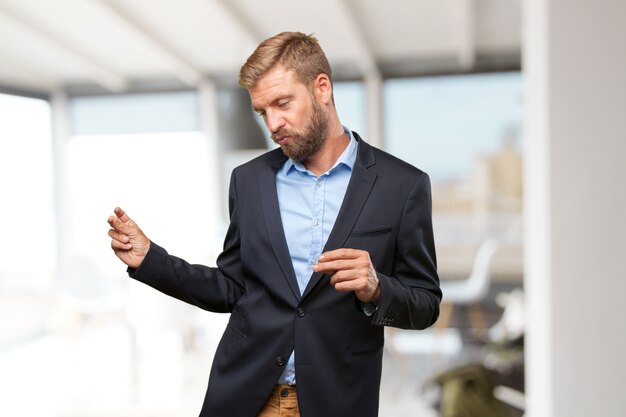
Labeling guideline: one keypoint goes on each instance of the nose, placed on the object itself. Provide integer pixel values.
(274, 121)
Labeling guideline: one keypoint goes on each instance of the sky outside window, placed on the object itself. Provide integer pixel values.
(440, 123)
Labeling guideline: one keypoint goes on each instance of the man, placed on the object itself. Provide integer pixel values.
(329, 241)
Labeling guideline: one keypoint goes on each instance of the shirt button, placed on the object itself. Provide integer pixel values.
(284, 392)
(280, 361)
(316, 222)
(301, 311)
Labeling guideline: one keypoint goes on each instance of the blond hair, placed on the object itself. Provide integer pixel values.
(294, 51)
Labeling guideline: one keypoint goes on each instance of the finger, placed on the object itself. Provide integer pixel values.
(113, 234)
(117, 245)
(341, 265)
(351, 285)
(328, 267)
(343, 253)
(121, 214)
(120, 227)
(342, 276)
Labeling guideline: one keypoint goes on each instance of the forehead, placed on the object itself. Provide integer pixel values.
(276, 83)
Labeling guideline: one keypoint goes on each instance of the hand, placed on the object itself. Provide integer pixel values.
(127, 240)
(351, 270)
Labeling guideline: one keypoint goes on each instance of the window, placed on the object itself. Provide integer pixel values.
(464, 131)
(27, 248)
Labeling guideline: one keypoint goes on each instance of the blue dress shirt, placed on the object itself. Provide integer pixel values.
(309, 206)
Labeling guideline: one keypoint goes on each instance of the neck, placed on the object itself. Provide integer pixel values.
(336, 142)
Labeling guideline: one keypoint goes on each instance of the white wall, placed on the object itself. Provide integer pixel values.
(575, 69)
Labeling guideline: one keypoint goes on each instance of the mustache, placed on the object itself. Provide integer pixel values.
(281, 133)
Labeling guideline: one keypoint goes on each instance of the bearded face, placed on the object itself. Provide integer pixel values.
(308, 139)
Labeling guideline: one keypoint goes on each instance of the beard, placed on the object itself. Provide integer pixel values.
(308, 140)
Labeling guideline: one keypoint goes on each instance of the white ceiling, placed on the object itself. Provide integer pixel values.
(116, 44)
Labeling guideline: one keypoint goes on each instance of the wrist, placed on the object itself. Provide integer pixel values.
(376, 296)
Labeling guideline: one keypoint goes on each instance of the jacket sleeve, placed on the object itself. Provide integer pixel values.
(211, 288)
(410, 297)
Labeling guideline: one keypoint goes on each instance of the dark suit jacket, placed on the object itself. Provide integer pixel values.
(386, 211)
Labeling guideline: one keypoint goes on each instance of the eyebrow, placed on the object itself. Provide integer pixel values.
(274, 102)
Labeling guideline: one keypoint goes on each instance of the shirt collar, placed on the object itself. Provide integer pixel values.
(347, 158)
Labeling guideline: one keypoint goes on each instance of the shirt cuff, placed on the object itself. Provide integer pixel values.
(369, 308)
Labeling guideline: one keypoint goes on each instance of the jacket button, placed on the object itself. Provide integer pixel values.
(301, 311)
(280, 361)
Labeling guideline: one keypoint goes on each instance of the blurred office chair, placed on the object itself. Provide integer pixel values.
(471, 291)
(442, 340)
(472, 390)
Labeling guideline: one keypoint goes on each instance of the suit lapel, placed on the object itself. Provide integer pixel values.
(359, 188)
(273, 222)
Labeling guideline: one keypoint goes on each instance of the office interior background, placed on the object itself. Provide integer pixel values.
(514, 107)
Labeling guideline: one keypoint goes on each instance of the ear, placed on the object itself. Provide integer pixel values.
(323, 88)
